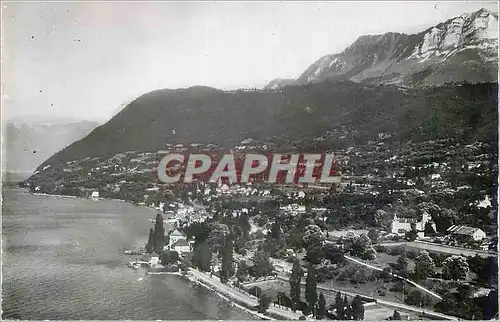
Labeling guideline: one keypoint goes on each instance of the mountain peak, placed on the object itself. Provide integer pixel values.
(464, 48)
(278, 83)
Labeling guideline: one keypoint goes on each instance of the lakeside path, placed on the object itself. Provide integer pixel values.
(238, 296)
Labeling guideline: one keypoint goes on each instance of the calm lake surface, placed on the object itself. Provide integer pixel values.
(63, 259)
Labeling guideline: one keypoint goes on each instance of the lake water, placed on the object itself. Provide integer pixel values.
(63, 259)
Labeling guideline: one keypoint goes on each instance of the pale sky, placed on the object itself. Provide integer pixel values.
(86, 60)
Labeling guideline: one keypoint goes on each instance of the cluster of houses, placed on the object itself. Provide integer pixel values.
(455, 235)
(177, 241)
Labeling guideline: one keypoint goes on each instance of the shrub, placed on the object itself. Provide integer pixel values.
(411, 254)
(396, 251)
(325, 273)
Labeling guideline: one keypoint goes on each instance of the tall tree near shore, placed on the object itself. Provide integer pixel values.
(321, 307)
(159, 234)
(347, 310)
(295, 279)
(339, 306)
(150, 245)
(358, 310)
(311, 287)
(227, 267)
(202, 256)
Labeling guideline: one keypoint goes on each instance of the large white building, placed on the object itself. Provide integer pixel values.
(181, 246)
(403, 225)
(174, 237)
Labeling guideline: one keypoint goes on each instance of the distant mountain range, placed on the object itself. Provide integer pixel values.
(336, 102)
(30, 141)
(464, 48)
(293, 117)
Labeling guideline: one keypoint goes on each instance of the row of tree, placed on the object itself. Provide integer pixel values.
(317, 304)
(156, 239)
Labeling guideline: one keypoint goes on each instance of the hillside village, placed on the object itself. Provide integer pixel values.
(430, 198)
(408, 230)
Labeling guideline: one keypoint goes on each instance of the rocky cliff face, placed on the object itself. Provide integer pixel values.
(464, 48)
(278, 83)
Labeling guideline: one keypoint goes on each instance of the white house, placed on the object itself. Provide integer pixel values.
(175, 236)
(403, 225)
(294, 209)
(155, 259)
(95, 195)
(466, 233)
(181, 246)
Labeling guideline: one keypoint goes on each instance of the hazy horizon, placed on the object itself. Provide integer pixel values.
(87, 60)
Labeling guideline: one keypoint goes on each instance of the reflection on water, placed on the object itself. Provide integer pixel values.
(63, 259)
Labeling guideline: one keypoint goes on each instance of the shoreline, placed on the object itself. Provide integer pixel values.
(231, 302)
(83, 198)
(192, 279)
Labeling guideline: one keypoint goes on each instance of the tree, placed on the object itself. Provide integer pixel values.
(313, 241)
(227, 268)
(264, 302)
(348, 312)
(159, 234)
(261, 264)
(411, 235)
(334, 253)
(186, 263)
(202, 256)
(255, 291)
(242, 271)
(424, 265)
(402, 263)
(360, 246)
(415, 298)
(373, 234)
(321, 307)
(429, 230)
(311, 287)
(275, 231)
(396, 316)
(217, 233)
(314, 255)
(169, 257)
(295, 280)
(150, 245)
(455, 268)
(358, 310)
(339, 306)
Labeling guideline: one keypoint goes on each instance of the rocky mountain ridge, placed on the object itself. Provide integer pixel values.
(463, 48)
